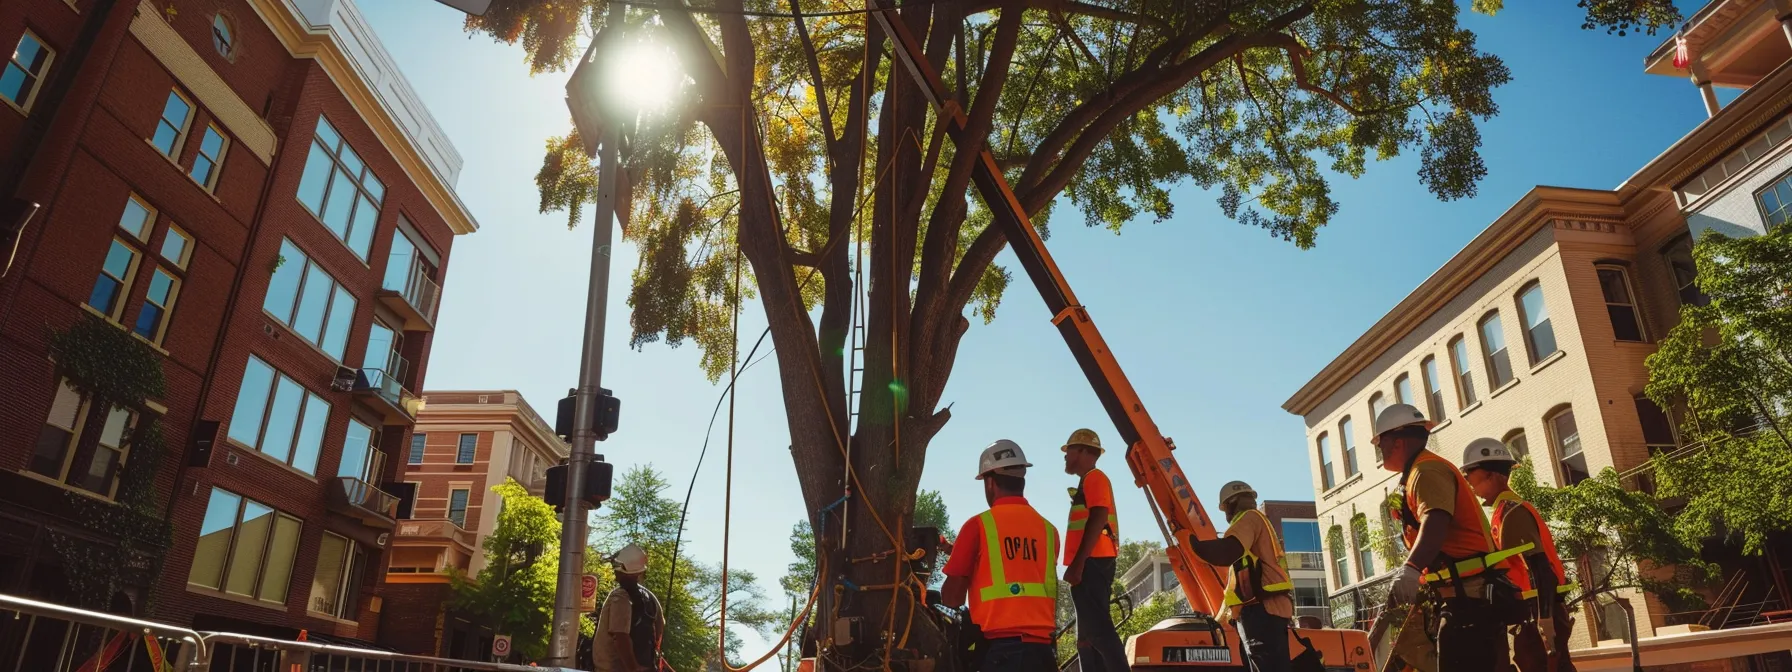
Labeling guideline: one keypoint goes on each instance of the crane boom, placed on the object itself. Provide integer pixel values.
(1148, 452)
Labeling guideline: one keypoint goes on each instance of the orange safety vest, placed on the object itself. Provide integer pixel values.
(1014, 591)
(1079, 518)
(1468, 548)
(1508, 503)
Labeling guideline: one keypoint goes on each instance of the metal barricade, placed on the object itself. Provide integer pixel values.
(40, 636)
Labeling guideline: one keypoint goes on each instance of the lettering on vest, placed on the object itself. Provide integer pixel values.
(1020, 548)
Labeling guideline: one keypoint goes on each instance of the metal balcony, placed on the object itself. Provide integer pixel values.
(416, 301)
(1304, 560)
(357, 498)
(383, 392)
(437, 530)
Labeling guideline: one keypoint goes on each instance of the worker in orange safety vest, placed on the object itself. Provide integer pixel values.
(1091, 551)
(1259, 595)
(1003, 560)
(1541, 643)
(1452, 554)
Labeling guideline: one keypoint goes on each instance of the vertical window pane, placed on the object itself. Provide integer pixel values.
(251, 547)
(1402, 390)
(457, 507)
(283, 288)
(316, 178)
(327, 581)
(1378, 402)
(417, 443)
(24, 70)
(283, 419)
(175, 247)
(342, 315)
(314, 300)
(311, 434)
(340, 205)
(1435, 390)
(1347, 437)
(172, 124)
(379, 348)
(136, 219)
(398, 262)
(53, 441)
(327, 135)
(351, 163)
(1325, 461)
(214, 539)
(281, 550)
(361, 235)
(1493, 348)
(155, 305)
(1615, 285)
(251, 403)
(1464, 376)
(1567, 438)
(1517, 444)
(468, 447)
(355, 443)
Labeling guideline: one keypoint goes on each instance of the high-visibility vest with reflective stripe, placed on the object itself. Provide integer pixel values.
(1014, 589)
(1468, 548)
(1508, 503)
(1079, 518)
(1264, 571)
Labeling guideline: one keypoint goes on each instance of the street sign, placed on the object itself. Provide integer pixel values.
(501, 646)
(588, 593)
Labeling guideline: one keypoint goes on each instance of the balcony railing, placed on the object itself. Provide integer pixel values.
(1304, 560)
(437, 530)
(416, 300)
(388, 394)
(360, 499)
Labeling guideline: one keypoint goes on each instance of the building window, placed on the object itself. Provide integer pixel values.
(417, 441)
(223, 36)
(340, 189)
(25, 71)
(1300, 536)
(302, 296)
(245, 547)
(1434, 390)
(1516, 443)
(1365, 555)
(1620, 303)
(177, 247)
(1776, 201)
(171, 128)
(1310, 593)
(1566, 439)
(1493, 351)
(114, 280)
(1340, 559)
(1402, 390)
(361, 456)
(1686, 273)
(1465, 377)
(1378, 402)
(158, 302)
(383, 347)
(1658, 430)
(1347, 437)
(1539, 336)
(468, 446)
(278, 417)
(407, 265)
(335, 585)
(207, 165)
(1325, 462)
(138, 218)
(56, 454)
(457, 506)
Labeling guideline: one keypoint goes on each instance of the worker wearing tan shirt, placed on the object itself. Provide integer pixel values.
(1259, 595)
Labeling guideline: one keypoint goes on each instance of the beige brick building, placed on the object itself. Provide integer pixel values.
(1536, 332)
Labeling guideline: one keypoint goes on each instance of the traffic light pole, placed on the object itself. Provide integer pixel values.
(563, 645)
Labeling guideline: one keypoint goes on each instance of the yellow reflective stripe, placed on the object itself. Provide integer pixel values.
(1476, 564)
(1560, 590)
(1278, 587)
(999, 587)
(1078, 524)
(992, 548)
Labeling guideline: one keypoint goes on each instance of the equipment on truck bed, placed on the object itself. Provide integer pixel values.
(1199, 640)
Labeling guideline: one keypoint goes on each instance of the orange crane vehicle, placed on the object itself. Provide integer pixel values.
(1200, 640)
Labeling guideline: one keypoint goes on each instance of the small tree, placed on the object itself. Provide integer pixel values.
(514, 592)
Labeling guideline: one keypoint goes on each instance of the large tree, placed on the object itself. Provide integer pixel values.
(514, 592)
(798, 148)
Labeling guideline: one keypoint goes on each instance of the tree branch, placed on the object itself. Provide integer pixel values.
(821, 96)
(1297, 54)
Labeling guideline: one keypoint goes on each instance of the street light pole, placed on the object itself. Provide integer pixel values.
(563, 645)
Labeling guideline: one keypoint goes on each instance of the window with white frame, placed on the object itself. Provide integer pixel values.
(1539, 334)
(245, 548)
(279, 417)
(361, 456)
(1347, 438)
(171, 127)
(339, 188)
(1493, 351)
(24, 72)
(1325, 462)
(1378, 402)
(58, 454)
(210, 161)
(457, 506)
(158, 302)
(1620, 303)
(1434, 391)
(417, 442)
(1402, 390)
(122, 256)
(1465, 377)
(1565, 436)
(304, 297)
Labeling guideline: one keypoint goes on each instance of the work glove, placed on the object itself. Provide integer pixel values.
(1406, 586)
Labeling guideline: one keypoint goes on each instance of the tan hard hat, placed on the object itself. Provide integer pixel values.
(1002, 457)
(1085, 438)
(1234, 489)
(1398, 416)
(630, 560)
(1482, 451)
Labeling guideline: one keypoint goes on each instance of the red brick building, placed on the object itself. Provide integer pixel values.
(251, 192)
(465, 444)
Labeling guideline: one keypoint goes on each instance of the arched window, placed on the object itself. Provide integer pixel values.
(1515, 442)
(1465, 377)
(1334, 542)
(1493, 351)
(1378, 402)
(224, 35)
(1325, 462)
(1434, 391)
(1539, 335)
(1347, 438)
(1359, 536)
(1564, 439)
(1402, 390)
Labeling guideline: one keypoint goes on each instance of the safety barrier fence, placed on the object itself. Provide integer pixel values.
(44, 637)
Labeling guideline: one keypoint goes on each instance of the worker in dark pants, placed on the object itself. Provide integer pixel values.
(1002, 561)
(1259, 595)
(1541, 643)
(1452, 547)
(1089, 558)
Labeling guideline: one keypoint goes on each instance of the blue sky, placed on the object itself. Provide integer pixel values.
(1217, 323)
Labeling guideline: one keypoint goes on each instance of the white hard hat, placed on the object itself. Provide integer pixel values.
(1002, 457)
(630, 560)
(1234, 489)
(1398, 416)
(1486, 451)
(1085, 438)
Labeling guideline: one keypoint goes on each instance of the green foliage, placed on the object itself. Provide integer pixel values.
(514, 592)
(1334, 542)
(1387, 543)
(1603, 530)
(799, 575)
(639, 513)
(107, 363)
(1728, 364)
